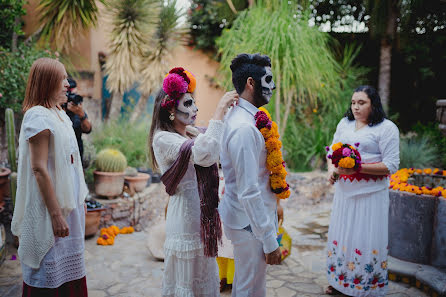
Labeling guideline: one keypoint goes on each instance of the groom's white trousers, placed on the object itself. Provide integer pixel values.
(250, 264)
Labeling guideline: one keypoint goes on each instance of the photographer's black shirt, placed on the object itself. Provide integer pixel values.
(76, 120)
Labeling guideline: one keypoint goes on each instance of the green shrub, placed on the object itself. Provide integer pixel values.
(14, 69)
(129, 138)
(417, 152)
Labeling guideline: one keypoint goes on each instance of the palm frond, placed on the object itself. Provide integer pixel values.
(169, 34)
(133, 23)
(62, 19)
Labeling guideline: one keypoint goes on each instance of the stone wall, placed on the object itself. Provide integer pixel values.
(140, 210)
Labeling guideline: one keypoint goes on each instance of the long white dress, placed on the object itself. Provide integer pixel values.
(187, 272)
(358, 233)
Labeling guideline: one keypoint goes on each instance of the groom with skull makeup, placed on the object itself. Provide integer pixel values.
(249, 207)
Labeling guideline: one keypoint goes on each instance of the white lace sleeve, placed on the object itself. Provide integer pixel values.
(389, 146)
(206, 150)
(35, 121)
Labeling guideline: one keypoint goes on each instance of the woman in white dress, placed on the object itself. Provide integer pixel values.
(358, 232)
(182, 154)
(49, 215)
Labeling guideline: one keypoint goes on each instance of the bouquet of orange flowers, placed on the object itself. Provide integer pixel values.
(345, 156)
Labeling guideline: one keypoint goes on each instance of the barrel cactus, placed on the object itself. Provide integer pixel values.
(10, 132)
(111, 160)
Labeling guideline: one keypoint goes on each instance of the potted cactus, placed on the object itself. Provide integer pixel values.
(109, 174)
(8, 180)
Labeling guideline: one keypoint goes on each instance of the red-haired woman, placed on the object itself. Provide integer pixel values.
(187, 159)
(49, 215)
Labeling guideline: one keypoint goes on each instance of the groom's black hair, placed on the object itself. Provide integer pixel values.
(248, 65)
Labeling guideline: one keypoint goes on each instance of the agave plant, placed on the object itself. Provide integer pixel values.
(62, 19)
(133, 23)
(156, 59)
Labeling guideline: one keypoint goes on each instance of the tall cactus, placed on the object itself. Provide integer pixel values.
(10, 132)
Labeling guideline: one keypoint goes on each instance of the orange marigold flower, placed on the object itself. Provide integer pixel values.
(347, 162)
(273, 143)
(275, 130)
(427, 171)
(267, 133)
(276, 169)
(273, 159)
(336, 146)
(277, 181)
(284, 194)
(418, 171)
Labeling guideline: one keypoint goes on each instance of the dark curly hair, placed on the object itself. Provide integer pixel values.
(248, 65)
(378, 114)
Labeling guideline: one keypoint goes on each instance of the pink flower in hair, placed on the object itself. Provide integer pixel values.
(174, 85)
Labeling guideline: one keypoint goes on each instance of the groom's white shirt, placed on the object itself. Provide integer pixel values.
(248, 199)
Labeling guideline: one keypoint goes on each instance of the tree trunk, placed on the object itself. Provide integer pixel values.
(251, 3)
(283, 123)
(385, 59)
(14, 35)
(140, 107)
(115, 106)
(277, 103)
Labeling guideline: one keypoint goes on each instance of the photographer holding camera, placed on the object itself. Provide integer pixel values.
(77, 115)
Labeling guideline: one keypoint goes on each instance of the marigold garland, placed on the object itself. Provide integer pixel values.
(399, 182)
(274, 158)
(107, 235)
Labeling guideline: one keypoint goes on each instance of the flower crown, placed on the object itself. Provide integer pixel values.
(176, 83)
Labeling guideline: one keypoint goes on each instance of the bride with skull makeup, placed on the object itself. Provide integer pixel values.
(187, 157)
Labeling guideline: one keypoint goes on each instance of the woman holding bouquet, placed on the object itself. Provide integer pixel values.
(357, 236)
(187, 159)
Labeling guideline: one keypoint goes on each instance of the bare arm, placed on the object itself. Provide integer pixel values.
(38, 146)
(375, 169)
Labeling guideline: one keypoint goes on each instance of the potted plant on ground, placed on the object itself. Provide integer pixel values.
(136, 181)
(92, 217)
(109, 173)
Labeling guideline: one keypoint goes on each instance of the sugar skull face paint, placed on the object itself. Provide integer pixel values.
(268, 84)
(186, 111)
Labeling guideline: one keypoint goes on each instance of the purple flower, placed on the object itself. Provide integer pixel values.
(346, 152)
(329, 156)
(327, 148)
(13, 257)
(357, 144)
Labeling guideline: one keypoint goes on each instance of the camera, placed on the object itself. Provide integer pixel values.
(72, 97)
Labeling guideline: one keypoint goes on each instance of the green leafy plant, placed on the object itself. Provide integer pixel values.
(130, 139)
(10, 25)
(208, 19)
(417, 152)
(14, 69)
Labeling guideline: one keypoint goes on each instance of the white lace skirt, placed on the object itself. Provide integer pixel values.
(187, 272)
(357, 243)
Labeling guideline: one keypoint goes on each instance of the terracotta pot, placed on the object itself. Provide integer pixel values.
(441, 115)
(92, 220)
(108, 184)
(4, 183)
(137, 183)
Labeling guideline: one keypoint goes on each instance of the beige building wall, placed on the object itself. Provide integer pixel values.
(85, 59)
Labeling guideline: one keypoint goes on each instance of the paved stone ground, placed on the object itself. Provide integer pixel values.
(127, 268)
